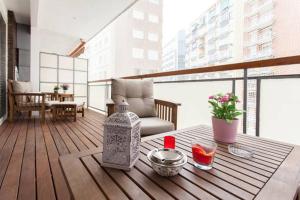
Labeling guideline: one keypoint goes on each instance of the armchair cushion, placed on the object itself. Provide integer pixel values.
(137, 93)
(155, 125)
(22, 87)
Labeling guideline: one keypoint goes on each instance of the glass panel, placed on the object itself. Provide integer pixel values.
(194, 109)
(48, 60)
(80, 90)
(80, 77)
(81, 64)
(48, 75)
(97, 97)
(47, 87)
(65, 76)
(65, 62)
(279, 111)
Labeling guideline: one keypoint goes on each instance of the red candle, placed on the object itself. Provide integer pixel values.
(169, 142)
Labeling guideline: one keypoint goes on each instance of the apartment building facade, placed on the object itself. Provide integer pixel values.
(173, 53)
(271, 30)
(215, 37)
(131, 45)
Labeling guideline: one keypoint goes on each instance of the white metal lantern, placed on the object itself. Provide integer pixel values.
(121, 139)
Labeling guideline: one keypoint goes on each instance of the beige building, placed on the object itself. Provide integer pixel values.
(216, 37)
(272, 29)
(129, 46)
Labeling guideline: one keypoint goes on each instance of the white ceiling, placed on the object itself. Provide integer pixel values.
(21, 9)
(78, 18)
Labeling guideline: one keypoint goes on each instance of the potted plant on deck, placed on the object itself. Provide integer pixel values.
(65, 87)
(56, 88)
(224, 119)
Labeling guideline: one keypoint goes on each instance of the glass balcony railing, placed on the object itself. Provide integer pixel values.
(263, 93)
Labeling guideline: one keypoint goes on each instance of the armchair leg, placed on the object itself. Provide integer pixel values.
(29, 114)
(11, 115)
(43, 115)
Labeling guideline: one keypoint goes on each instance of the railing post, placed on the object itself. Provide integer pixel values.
(106, 95)
(233, 87)
(245, 96)
(257, 117)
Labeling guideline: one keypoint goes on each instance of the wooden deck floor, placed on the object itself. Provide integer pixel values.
(29, 151)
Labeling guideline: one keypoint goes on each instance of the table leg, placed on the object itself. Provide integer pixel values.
(54, 113)
(75, 112)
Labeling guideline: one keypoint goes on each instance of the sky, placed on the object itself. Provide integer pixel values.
(178, 14)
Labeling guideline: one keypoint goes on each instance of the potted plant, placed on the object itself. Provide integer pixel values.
(56, 88)
(65, 87)
(224, 119)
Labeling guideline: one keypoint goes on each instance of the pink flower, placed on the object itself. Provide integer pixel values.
(224, 99)
(211, 97)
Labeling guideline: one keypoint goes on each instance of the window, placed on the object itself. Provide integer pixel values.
(153, 37)
(138, 34)
(154, 2)
(152, 55)
(153, 18)
(138, 15)
(138, 53)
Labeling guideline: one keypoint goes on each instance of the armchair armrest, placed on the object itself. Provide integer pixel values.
(167, 103)
(167, 110)
(110, 104)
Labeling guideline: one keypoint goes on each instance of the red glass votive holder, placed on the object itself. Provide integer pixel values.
(169, 142)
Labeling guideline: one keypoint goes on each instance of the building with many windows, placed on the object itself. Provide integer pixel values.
(131, 45)
(266, 23)
(173, 53)
(216, 36)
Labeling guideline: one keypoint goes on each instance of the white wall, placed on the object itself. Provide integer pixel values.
(3, 12)
(46, 41)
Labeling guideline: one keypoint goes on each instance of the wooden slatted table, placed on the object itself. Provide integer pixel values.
(273, 172)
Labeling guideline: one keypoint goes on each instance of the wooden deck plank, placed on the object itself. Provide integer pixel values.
(27, 189)
(8, 149)
(61, 146)
(65, 137)
(61, 188)
(10, 184)
(45, 186)
(81, 136)
(75, 140)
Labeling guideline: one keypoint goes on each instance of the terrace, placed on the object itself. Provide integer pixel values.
(60, 159)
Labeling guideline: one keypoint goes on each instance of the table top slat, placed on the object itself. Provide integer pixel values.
(78, 177)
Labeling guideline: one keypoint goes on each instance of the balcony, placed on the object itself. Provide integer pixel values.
(260, 23)
(260, 8)
(266, 38)
(60, 157)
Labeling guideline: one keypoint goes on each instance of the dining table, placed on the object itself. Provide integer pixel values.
(273, 171)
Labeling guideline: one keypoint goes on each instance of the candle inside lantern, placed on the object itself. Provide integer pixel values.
(169, 142)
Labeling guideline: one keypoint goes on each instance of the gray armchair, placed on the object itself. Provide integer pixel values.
(157, 116)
